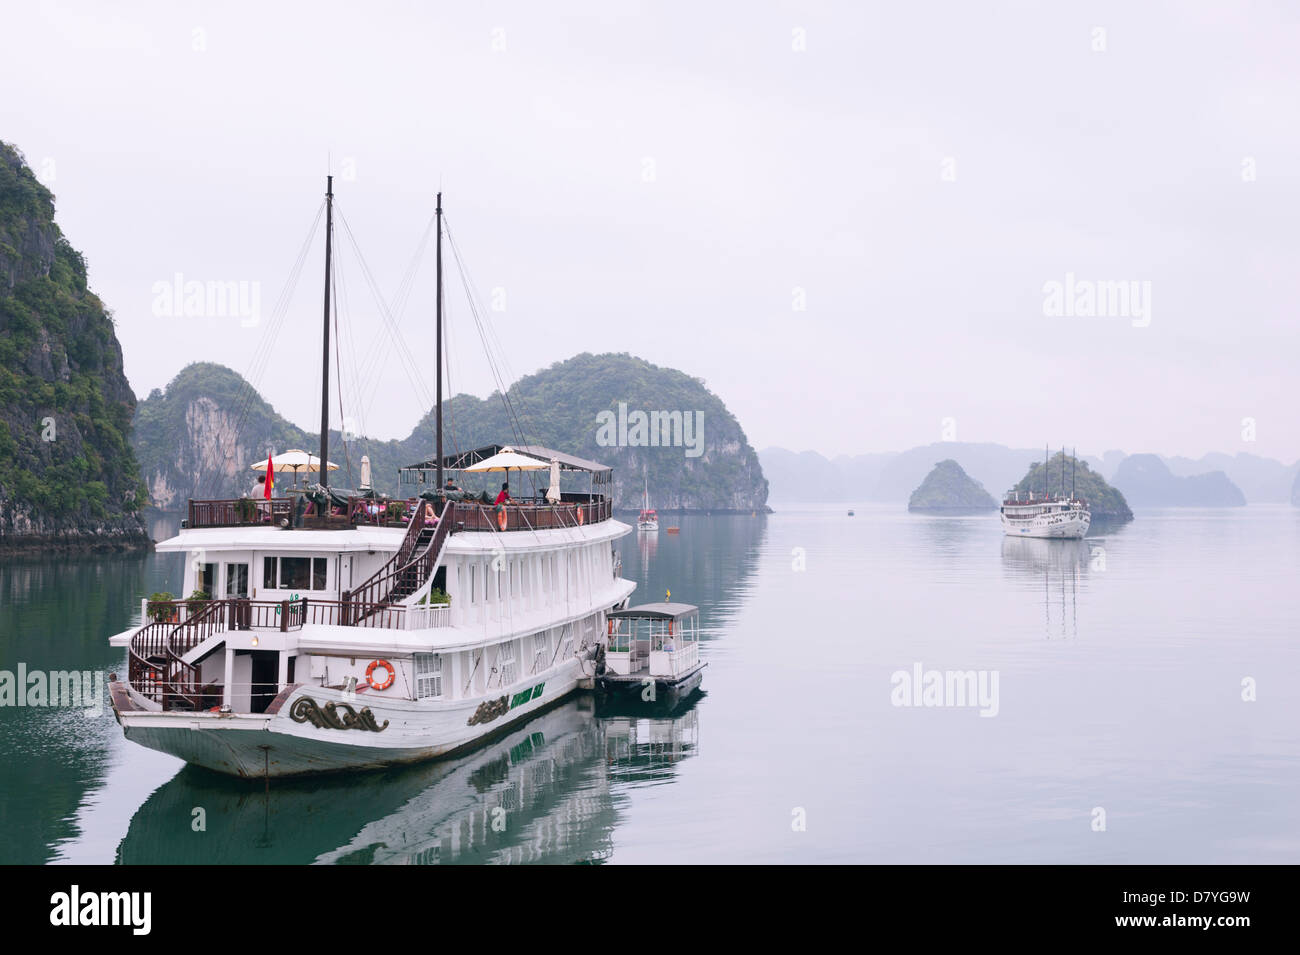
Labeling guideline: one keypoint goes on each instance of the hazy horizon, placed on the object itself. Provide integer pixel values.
(847, 222)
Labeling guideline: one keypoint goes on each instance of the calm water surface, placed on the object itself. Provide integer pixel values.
(1120, 664)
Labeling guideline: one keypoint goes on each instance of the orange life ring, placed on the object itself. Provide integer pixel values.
(611, 626)
(392, 674)
(501, 516)
(579, 515)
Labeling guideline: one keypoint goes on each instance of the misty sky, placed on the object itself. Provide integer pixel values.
(661, 179)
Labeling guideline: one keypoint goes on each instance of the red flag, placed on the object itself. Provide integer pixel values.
(270, 477)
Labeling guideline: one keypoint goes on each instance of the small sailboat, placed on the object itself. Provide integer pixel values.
(647, 520)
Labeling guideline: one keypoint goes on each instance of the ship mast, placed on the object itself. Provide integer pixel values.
(325, 348)
(438, 322)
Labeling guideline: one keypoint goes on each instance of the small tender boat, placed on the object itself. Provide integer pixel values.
(652, 653)
(647, 520)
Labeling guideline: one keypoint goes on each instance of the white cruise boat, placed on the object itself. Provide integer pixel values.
(347, 636)
(1045, 516)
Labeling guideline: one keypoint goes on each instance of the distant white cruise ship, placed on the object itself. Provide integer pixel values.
(1045, 516)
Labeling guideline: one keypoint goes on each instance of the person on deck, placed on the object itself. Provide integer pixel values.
(504, 496)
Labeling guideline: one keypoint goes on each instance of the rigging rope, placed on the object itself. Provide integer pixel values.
(208, 476)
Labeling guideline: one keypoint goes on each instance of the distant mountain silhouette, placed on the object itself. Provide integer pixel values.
(891, 476)
(1146, 481)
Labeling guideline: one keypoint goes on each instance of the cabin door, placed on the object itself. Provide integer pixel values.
(237, 586)
(237, 580)
(266, 674)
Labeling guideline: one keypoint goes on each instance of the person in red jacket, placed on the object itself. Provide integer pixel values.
(504, 496)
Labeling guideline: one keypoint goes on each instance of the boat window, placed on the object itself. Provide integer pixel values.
(508, 674)
(541, 650)
(294, 573)
(428, 675)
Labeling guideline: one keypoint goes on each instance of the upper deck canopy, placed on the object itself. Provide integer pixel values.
(464, 459)
(655, 611)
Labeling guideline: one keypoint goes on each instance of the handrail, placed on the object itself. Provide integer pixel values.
(398, 560)
(403, 581)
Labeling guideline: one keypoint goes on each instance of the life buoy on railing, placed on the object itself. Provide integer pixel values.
(611, 626)
(579, 514)
(501, 516)
(388, 668)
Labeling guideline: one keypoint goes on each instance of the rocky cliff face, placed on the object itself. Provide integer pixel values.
(201, 437)
(68, 477)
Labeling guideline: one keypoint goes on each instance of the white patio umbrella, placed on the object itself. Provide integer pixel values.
(553, 492)
(296, 461)
(508, 459)
(365, 472)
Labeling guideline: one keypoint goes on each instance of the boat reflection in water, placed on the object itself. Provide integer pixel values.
(645, 744)
(538, 794)
(1056, 567)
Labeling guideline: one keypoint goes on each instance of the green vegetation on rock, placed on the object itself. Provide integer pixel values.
(68, 476)
(200, 436)
(949, 488)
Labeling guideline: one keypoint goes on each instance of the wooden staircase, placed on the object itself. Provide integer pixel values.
(405, 573)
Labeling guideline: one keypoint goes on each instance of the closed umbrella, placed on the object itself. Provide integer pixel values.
(553, 492)
(365, 472)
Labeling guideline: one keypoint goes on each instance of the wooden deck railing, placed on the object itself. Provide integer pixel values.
(239, 512)
(521, 516)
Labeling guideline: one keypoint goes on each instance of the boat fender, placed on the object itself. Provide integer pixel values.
(501, 516)
(388, 668)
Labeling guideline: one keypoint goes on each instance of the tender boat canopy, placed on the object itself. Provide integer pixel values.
(656, 611)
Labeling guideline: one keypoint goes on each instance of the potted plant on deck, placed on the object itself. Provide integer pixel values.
(161, 609)
(196, 601)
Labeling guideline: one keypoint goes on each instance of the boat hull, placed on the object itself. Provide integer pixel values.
(633, 689)
(1071, 527)
(289, 743)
